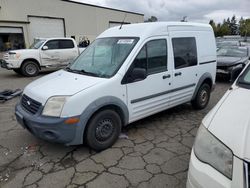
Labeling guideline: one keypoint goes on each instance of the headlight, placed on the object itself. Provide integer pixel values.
(210, 150)
(54, 106)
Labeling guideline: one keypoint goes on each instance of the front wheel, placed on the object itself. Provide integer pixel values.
(202, 97)
(18, 71)
(103, 130)
(29, 68)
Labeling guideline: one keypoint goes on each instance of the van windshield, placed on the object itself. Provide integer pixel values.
(244, 79)
(103, 57)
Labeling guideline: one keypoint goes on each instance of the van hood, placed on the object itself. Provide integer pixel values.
(231, 122)
(60, 83)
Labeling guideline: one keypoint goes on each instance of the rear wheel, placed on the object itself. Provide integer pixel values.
(202, 97)
(103, 130)
(29, 68)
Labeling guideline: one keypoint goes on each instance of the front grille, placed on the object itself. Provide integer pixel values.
(30, 105)
(247, 174)
(6, 56)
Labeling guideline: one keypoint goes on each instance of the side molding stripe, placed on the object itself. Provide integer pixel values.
(162, 93)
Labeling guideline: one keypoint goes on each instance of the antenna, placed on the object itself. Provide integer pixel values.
(123, 21)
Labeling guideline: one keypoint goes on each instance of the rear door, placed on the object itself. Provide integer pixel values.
(150, 95)
(185, 74)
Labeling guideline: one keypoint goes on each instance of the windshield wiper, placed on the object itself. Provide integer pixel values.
(82, 72)
(88, 73)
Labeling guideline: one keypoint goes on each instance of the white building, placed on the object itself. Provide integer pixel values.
(23, 20)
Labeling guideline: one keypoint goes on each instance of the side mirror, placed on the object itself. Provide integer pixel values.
(45, 48)
(137, 74)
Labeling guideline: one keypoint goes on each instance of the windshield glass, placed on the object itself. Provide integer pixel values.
(37, 44)
(232, 52)
(103, 57)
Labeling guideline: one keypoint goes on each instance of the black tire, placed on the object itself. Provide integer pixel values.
(202, 97)
(18, 71)
(103, 130)
(29, 68)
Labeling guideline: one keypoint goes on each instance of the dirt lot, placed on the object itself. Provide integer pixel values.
(154, 154)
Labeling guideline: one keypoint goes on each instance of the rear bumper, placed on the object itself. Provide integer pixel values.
(47, 128)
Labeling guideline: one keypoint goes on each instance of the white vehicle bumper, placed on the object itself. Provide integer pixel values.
(11, 64)
(201, 175)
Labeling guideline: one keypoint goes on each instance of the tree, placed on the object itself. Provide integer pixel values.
(233, 26)
(212, 23)
(244, 27)
(224, 29)
(151, 19)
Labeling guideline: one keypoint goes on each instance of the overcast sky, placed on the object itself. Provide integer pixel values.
(174, 10)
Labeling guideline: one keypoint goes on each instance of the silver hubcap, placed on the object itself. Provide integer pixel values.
(30, 69)
(204, 96)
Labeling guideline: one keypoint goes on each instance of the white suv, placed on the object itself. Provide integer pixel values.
(221, 153)
(126, 74)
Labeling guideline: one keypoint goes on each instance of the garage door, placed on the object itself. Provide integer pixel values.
(10, 30)
(45, 27)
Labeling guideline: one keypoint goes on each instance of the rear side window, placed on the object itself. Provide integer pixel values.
(153, 56)
(65, 44)
(185, 52)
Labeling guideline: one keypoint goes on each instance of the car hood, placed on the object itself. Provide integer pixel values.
(230, 122)
(24, 51)
(60, 83)
(230, 61)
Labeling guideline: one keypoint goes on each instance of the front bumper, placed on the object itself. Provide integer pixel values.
(47, 128)
(201, 175)
(10, 64)
(231, 71)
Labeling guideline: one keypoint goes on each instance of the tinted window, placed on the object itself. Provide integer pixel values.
(185, 53)
(64, 44)
(157, 56)
(153, 56)
(141, 59)
(53, 44)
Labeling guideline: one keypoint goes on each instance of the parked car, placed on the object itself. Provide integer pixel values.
(227, 43)
(126, 74)
(44, 53)
(231, 61)
(221, 152)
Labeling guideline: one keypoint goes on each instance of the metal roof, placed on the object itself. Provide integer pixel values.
(86, 4)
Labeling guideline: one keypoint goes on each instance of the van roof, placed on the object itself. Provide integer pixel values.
(152, 29)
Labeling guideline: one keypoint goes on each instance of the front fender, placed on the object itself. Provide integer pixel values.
(94, 107)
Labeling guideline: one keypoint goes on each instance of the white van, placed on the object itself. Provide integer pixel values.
(221, 154)
(126, 74)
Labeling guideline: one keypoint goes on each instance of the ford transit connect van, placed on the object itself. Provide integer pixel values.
(126, 74)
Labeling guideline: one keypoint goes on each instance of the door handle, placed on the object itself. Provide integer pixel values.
(178, 74)
(166, 76)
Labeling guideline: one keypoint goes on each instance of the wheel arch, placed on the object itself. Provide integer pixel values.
(108, 102)
(31, 59)
(205, 78)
